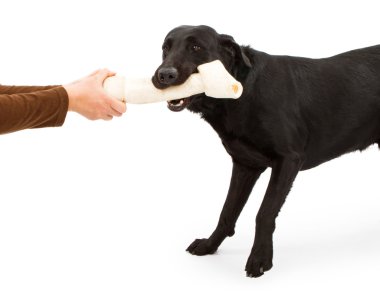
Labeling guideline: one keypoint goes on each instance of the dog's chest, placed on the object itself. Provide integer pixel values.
(242, 137)
(246, 153)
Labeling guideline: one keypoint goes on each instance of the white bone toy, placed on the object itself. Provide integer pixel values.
(212, 79)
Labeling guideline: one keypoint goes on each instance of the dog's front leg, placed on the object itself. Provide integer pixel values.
(283, 174)
(242, 181)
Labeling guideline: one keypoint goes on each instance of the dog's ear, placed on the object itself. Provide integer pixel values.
(233, 49)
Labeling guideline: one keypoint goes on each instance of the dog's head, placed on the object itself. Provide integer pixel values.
(187, 47)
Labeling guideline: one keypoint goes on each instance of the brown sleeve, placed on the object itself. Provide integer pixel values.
(26, 107)
(11, 89)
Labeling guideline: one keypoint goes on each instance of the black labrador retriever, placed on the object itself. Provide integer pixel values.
(294, 114)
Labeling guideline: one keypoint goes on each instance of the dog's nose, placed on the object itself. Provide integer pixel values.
(167, 75)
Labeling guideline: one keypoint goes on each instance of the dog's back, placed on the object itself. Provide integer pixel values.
(327, 106)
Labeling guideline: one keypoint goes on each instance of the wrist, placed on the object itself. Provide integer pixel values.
(71, 97)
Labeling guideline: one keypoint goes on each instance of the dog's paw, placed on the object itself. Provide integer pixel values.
(201, 247)
(259, 262)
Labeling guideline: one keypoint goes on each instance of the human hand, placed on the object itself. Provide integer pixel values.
(88, 97)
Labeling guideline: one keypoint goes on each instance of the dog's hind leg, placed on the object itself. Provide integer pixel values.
(242, 181)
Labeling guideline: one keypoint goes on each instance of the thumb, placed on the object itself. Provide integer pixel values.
(102, 74)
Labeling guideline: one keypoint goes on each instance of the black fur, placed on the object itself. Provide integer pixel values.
(294, 114)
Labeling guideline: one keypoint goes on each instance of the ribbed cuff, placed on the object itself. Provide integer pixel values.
(64, 106)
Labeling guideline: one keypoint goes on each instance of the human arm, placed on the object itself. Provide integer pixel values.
(14, 89)
(36, 109)
(25, 107)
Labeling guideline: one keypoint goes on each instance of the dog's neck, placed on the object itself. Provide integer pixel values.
(215, 111)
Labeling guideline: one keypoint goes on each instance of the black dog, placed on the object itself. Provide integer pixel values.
(294, 114)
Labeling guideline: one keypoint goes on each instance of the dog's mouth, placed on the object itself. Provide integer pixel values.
(177, 105)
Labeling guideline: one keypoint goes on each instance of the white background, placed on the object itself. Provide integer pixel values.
(112, 206)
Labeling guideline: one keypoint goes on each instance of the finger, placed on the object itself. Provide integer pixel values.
(118, 105)
(114, 113)
(108, 117)
(102, 74)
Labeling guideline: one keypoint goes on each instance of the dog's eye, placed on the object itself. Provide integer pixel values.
(196, 48)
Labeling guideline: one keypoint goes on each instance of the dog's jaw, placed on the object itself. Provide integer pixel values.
(178, 105)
